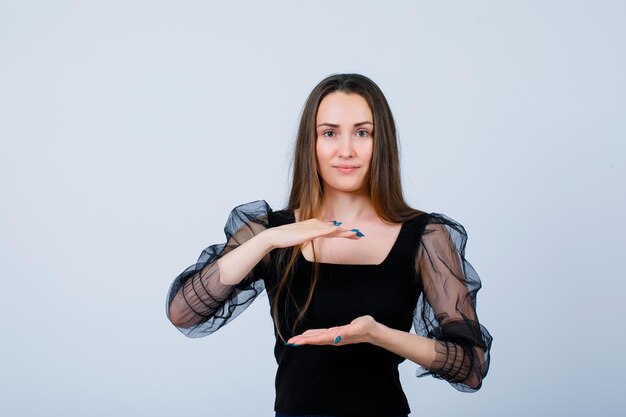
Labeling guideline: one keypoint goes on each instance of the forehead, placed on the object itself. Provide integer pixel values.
(340, 107)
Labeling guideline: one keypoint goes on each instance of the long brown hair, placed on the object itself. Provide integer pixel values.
(307, 193)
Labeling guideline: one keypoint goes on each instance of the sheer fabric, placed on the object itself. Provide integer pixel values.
(198, 303)
(446, 309)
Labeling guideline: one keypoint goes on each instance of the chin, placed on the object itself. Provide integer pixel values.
(346, 188)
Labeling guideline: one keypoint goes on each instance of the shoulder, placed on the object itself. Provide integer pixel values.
(434, 226)
(281, 217)
(248, 218)
(416, 224)
(253, 209)
(434, 220)
(443, 223)
(443, 233)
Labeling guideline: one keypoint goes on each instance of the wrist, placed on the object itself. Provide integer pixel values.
(265, 241)
(377, 333)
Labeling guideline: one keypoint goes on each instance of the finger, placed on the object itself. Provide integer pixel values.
(314, 335)
(307, 334)
(358, 232)
(348, 233)
(317, 339)
(310, 234)
(331, 336)
(326, 338)
(326, 229)
(314, 332)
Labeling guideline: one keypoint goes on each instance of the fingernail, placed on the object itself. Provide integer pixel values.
(337, 339)
(336, 223)
(290, 344)
(358, 232)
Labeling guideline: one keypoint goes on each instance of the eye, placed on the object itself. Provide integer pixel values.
(328, 134)
(362, 133)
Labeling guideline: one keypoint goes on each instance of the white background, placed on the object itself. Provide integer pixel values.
(129, 129)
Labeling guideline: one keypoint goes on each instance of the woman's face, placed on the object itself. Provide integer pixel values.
(345, 142)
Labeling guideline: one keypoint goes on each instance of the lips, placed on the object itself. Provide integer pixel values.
(346, 169)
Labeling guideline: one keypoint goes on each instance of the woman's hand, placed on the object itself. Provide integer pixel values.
(237, 263)
(299, 233)
(365, 329)
(360, 330)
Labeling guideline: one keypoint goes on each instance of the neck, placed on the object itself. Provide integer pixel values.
(346, 207)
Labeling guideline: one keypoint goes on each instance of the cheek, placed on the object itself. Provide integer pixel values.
(319, 157)
(321, 152)
(367, 151)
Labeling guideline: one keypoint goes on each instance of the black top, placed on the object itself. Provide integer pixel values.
(360, 379)
(424, 280)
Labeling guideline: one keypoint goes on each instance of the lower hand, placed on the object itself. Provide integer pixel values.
(360, 330)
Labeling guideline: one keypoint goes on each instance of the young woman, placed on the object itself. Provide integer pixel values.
(348, 267)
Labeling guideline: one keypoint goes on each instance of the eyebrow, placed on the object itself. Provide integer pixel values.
(335, 125)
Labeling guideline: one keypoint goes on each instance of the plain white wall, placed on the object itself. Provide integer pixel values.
(129, 129)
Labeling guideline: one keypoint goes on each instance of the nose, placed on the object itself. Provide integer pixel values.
(346, 150)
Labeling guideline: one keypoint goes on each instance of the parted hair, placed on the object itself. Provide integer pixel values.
(307, 193)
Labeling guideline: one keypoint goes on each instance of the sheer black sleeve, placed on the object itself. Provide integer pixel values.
(198, 303)
(446, 309)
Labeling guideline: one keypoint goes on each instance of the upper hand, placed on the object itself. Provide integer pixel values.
(360, 330)
(299, 233)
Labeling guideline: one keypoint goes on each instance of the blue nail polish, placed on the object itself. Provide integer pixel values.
(336, 223)
(358, 232)
(290, 344)
(337, 339)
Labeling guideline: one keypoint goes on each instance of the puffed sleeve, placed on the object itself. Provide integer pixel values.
(198, 303)
(446, 309)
